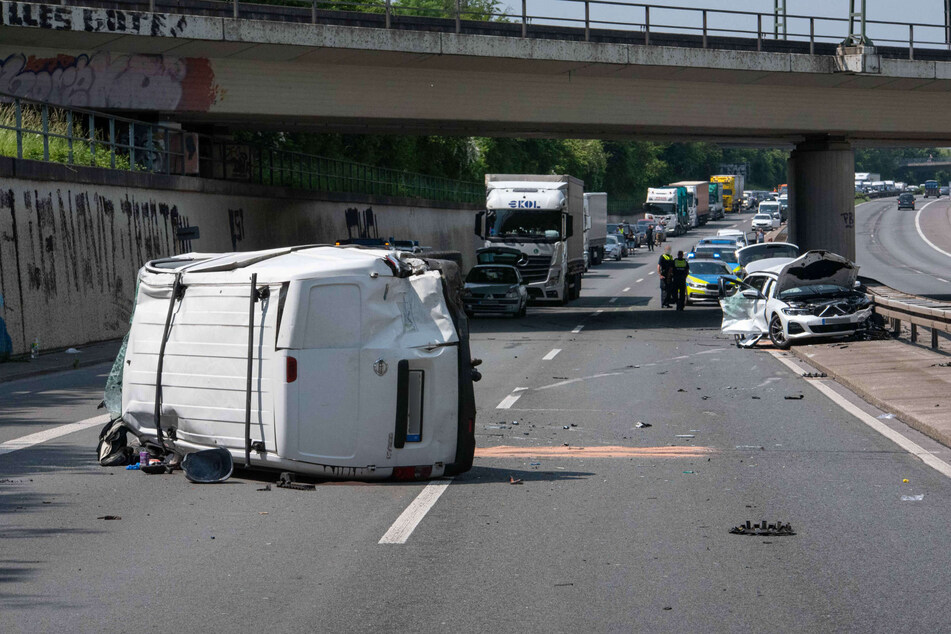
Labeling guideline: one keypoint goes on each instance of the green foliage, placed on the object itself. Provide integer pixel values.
(31, 124)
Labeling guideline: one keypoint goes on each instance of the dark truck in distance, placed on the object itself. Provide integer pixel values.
(932, 189)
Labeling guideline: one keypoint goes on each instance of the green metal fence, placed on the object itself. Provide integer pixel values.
(42, 131)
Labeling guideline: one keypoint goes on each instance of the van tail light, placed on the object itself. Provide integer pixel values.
(412, 473)
(471, 425)
(291, 369)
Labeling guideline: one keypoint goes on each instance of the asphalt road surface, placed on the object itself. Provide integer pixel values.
(909, 250)
(613, 528)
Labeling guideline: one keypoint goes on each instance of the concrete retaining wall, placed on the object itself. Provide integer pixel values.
(73, 239)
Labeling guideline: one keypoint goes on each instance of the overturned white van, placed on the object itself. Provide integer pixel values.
(339, 362)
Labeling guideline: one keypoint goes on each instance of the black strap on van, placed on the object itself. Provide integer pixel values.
(177, 291)
(255, 296)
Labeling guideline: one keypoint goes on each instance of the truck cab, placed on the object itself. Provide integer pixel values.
(530, 223)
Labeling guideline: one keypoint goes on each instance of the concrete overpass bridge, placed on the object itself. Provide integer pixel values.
(375, 73)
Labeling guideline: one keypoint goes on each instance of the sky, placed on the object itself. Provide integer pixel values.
(920, 12)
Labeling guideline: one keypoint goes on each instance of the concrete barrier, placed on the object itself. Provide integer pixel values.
(72, 239)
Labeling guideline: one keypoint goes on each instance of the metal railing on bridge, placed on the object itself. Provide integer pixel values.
(589, 20)
(42, 131)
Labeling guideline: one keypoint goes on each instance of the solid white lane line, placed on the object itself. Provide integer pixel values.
(551, 355)
(598, 312)
(941, 279)
(639, 281)
(409, 519)
(908, 445)
(629, 288)
(25, 442)
(577, 329)
(922, 233)
(612, 300)
(509, 400)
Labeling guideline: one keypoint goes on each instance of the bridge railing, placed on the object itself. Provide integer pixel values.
(589, 19)
(41, 131)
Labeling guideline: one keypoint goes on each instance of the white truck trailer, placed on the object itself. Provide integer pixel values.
(535, 222)
(701, 196)
(339, 362)
(595, 225)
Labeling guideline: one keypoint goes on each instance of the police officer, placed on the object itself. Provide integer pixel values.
(650, 237)
(681, 268)
(665, 267)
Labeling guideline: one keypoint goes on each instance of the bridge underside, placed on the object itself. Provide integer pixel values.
(272, 75)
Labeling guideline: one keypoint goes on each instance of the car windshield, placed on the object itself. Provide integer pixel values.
(533, 225)
(725, 254)
(643, 224)
(661, 209)
(768, 208)
(813, 290)
(612, 239)
(764, 251)
(708, 267)
(492, 275)
(762, 217)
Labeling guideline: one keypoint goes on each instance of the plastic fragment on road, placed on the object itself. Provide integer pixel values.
(73, 351)
(794, 397)
(109, 517)
(266, 487)
(208, 466)
(814, 375)
(641, 425)
(684, 436)
(514, 480)
(913, 498)
(777, 529)
(886, 416)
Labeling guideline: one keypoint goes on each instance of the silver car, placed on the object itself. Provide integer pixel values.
(495, 288)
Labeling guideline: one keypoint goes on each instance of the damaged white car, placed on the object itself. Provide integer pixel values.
(787, 300)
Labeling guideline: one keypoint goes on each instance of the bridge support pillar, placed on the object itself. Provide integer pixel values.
(821, 173)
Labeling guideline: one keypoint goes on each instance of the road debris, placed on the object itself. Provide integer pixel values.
(208, 466)
(640, 424)
(681, 390)
(684, 436)
(287, 481)
(109, 517)
(913, 498)
(266, 487)
(885, 416)
(514, 480)
(794, 397)
(777, 529)
(814, 375)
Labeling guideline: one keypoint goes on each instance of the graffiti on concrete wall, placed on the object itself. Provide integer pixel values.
(107, 80)
(77, 252)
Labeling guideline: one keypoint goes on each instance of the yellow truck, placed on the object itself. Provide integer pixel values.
(732, 191)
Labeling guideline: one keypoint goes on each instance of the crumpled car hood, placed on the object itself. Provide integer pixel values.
(817, 267)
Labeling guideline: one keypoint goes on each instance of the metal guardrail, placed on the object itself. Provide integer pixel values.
(647, 20)
(42, 131)
(897, 307)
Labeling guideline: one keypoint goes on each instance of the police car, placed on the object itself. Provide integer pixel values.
(703, 282)
(726, 253)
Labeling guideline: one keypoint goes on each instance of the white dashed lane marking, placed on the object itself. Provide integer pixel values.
(551, 355)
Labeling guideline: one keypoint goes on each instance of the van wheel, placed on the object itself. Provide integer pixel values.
(776, 333)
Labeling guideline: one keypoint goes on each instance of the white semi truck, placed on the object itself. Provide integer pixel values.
(595, 225)
(535, 223)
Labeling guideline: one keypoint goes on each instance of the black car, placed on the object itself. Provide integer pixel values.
(906, 201)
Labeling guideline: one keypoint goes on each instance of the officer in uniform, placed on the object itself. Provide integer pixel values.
(681, 268)
(650, 237)
(664, 269)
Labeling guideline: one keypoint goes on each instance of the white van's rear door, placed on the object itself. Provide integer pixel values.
(204, 379)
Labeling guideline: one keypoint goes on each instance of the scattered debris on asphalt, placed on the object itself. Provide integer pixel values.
(794, 397)
(684, 436)
(287, 481)
(814, 375)
(941, 365)
(640, 424)
(756, 398)
(913, 498)
(763, 528)
(266, 487)
(565, 427)
(681, 390)
(72, 351)
(689, 471)
(514, 480)
(886, 416)
(109, 517)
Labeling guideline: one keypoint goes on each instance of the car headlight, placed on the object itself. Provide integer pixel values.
(512, 294)
(693, 285)
(797, 311)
